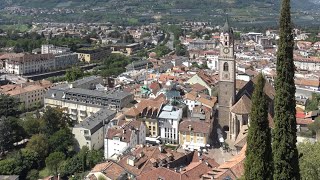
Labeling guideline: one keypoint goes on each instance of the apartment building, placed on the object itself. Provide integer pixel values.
(30, 94)
(89, 55)
(147, 111)
(51, 49)
(91, 131)
(124, 48)
(30, 63)
(194, 134)
(169, 119)
(63, 61)
(123, 136)
(307, 64)
(82, 99)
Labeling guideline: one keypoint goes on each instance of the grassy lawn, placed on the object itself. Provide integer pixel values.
(44, 173)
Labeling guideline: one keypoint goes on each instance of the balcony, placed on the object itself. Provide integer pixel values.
(73, 117)
(88, 138)
(74, 112)
(83, 113)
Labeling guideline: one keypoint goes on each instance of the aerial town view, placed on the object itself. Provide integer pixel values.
(159, 89)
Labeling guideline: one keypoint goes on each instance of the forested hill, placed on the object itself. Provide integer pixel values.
(297, 4)
(245, 12)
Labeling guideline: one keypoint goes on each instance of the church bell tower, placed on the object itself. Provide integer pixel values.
(227, 76)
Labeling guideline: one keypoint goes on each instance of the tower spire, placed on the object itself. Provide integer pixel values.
(226, 27)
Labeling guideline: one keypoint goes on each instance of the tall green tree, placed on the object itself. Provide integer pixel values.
(310, 160)
(54, 160)
(54, 119)
(39, 144)
(74, 74)
(8, 106)
(31, 125)
(258, 163)
(285, 153)
(10, 132)
(61, 141)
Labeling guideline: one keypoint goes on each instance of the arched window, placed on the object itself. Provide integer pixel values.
(225, 67)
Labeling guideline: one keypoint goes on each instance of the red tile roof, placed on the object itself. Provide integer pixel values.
(196, 126)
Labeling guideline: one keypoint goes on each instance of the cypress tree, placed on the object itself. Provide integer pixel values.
(258, 163)
(285, 153)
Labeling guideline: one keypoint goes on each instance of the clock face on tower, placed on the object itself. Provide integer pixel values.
(226, 50)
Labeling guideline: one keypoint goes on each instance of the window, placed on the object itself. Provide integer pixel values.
(225, 67)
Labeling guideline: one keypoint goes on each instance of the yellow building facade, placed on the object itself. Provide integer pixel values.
(194, 134)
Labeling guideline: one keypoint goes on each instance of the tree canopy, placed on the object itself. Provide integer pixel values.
(258, 162)
(285, 153)
(309, 160)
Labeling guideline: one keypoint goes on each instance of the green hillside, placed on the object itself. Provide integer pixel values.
(242, 12)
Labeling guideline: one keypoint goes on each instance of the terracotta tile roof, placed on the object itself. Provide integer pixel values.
(234, 168)
(240, 84)
(198, 87)
(190, 96)
(196, 126)
(300, 115)
(209, 103)
(302, 121)
(132, 112)
(155, 87)
(161, 97)
(159, 173)
(11, 55)
(210, 161)
(308, 82)
(144, 164)
(124, 130)
(193, 171)
(150, 105)
(113, 171)
(243, 106)
(210, 80)
(16, 89)
(100, 167)
(165, 78)
(203, 98)
(309, 59)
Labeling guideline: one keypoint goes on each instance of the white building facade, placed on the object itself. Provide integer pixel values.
(122, 137)
(169, 119)
(30, 63)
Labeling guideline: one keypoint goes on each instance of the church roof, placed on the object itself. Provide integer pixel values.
(243, 106)
(249, 87)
